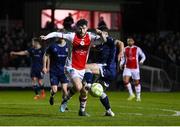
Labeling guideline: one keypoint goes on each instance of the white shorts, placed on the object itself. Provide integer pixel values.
(134, 73)
(74, 73)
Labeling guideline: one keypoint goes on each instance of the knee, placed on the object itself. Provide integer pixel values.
(54, 89)
(40, 82)
(78, 88)
(125, 82)
(137, 82)
(33, 82)
(64, 86)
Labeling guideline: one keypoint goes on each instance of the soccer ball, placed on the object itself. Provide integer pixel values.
(96, 90)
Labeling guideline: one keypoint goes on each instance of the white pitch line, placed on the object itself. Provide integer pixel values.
(176, 113)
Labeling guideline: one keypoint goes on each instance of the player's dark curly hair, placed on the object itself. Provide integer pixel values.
(81, 22)
(103, 28)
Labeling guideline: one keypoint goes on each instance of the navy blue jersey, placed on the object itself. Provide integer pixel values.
(36, 58)
(107, 53)
(58, 55)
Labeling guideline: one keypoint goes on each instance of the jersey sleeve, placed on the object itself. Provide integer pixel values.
(68, 36)
(141, 54)
(93, 36)
(29, 51)
(110, 41)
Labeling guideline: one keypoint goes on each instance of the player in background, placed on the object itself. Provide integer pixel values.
(131, 62)
(75, 65)
(36, 53)
(105, 66)
(54, 61)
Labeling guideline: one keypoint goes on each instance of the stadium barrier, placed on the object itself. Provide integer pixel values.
(20, 77)
(155, 79)
(173, 70)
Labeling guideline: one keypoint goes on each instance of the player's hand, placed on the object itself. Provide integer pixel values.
(93, 46)
(45, 70)
(12, 53)
(43, 37)
(141, 62)
(98, 31)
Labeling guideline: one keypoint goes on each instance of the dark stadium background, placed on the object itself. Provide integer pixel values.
(138, 15)
(143, 19)
(155, 26)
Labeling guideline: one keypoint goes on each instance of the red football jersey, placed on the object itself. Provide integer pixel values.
(80, 51)
(132, 57)
(80, 47)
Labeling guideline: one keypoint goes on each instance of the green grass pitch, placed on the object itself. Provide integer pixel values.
(158, 109)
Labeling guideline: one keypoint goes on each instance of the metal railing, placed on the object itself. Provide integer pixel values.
(172, 70)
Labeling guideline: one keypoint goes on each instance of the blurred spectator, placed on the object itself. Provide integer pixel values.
(101, 22)
(178, 57)
(50, 26)
(165, 45)
(172, 55)
(14, 39)
(68, 21)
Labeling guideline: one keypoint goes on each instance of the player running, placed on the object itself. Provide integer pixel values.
(36, 53)
(131, 63)
(54, 61)
(75, 65)
(105, 66)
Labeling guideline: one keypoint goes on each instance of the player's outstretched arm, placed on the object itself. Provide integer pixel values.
(51, 35)
(20, 53)
(57, 34)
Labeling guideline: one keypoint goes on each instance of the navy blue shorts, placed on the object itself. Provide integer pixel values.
(56, 79)
(108, 73)
(37, 74)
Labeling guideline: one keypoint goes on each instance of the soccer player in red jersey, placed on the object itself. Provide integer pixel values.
(131, 63)
(75, 65)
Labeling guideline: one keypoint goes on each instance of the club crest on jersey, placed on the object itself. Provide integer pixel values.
(82, 43)
(55, 49)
